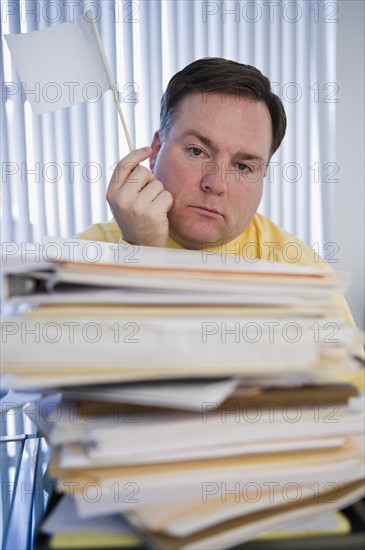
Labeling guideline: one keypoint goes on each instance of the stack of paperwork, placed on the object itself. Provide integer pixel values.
(205, 398)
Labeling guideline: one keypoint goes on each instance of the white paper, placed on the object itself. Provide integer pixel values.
(204, 344)
(77, 457)
(127, 435)
(79, 250)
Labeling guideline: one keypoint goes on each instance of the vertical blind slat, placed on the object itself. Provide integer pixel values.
(171, 32)
(302, 138)
(155, 56)
(215, 35)
(125, 67)
(328, 96)
(151, 49)
(7, 225)
(185, 33)
(273, 182)
(314, 129)
(7, 221)
(35, 151)
(17, 155)
(285, 168)
(200, 31)
(261, 57)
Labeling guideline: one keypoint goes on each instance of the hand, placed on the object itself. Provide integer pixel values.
(139, 202)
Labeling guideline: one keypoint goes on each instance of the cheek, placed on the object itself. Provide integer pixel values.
(244, 203)
(249, 194)
(170, 183)
(164, 170)
(256, 193)
(175, 177)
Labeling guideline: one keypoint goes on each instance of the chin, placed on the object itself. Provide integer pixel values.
(197, 235)
(195, 242)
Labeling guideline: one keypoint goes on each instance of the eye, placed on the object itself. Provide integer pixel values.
(242, 167)
(195, 151)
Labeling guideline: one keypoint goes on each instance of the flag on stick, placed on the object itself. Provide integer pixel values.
(63, 65)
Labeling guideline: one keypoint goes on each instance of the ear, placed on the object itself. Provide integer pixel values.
(156, 146)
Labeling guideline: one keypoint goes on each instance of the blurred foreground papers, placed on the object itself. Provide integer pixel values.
(61, 65)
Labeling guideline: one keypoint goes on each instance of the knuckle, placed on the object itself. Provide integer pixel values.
(158, 185)
(117, 201)
(137, 209)
(127, 165)
(109, 195)
(168, 197)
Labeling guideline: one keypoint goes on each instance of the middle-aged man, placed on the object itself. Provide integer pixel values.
(220, 125)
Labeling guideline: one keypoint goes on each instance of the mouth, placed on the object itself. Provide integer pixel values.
(205, 211)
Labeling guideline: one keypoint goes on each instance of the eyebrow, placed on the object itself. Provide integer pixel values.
(206, 141)
(239, 155)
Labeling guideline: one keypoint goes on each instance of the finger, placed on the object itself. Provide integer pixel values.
(140, 178)
(135, 188)
(126, 166)
(164, 201)
(151, 189)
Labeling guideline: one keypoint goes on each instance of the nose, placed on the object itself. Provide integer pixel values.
(213, 178)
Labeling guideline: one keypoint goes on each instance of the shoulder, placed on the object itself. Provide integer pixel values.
(104, 232)
(279, 245)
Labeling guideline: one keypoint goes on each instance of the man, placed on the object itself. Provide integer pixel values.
(220, 125)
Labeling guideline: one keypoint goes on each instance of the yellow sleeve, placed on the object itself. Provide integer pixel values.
(290, 249)
(108, 232)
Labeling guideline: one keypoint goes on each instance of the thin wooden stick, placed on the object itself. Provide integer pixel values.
(110, 78)
(116, 99)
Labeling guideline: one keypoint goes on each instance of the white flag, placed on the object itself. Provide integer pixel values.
(61, 65)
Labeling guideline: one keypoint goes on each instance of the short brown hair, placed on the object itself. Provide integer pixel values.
(214, 74)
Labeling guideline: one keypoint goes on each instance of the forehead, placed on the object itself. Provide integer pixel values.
(231, 123)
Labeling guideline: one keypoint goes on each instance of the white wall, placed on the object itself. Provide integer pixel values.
(350, 200)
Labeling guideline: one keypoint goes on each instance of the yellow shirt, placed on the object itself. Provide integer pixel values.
(262, 239)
